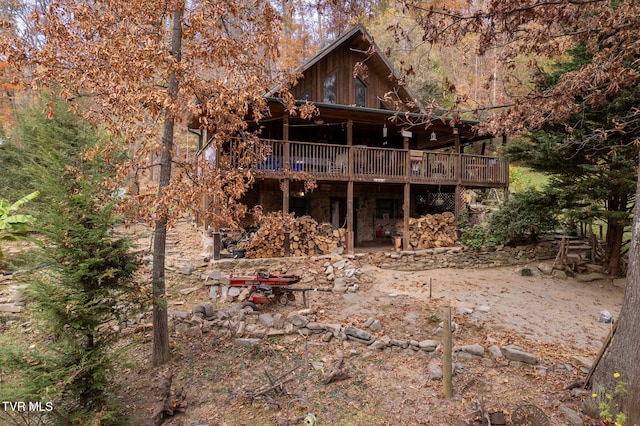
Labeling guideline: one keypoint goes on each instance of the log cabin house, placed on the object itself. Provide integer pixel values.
(372, 171)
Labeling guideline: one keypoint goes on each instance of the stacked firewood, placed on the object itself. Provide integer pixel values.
(306, 237)
(432, 230)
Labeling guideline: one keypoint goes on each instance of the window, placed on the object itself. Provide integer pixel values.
(388, 208)
(305, 96)
(330, 89)
(361, 93)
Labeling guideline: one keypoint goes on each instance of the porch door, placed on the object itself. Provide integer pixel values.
(339, 214)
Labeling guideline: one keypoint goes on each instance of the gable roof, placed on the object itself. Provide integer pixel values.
(358, 39)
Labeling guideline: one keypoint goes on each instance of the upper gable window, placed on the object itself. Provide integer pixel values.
(305, 96)
(330, 89)
(361, 93)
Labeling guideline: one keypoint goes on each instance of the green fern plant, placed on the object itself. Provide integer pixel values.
(15, 226)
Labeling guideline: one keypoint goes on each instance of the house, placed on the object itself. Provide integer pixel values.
(373, 169)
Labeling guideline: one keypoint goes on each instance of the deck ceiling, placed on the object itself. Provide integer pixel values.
(421, 131)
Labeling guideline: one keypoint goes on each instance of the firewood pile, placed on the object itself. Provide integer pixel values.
(432, 230)
(306, 237)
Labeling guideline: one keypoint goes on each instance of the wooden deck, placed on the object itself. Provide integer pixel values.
(367, 164)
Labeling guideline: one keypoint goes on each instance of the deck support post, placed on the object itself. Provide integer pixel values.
(285, 154)
(405, 218)
(458, 192)
(350, 235)
(406, 206)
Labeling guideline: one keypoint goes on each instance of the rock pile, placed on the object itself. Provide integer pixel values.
(248, 328)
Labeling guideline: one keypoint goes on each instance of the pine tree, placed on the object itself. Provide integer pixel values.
(88, 282)
(592, 177)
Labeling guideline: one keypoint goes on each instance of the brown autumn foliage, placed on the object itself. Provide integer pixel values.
(532, 32)
(145, 66)
(117, 55)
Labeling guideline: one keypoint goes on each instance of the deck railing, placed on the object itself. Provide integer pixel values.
(332, 162)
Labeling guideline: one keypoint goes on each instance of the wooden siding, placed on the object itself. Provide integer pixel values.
(342, 60)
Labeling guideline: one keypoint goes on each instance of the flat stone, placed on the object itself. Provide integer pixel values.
(559, 274)
(515, 353)
(363, 341)
(186, 291)
(434, 371)
(257, 333)
(572, 416)
(276, 332)
(216, 275)
(11, 308)
(428, 345)
(194, 332)
(467, 356)
(241, 328)
(340, 264)
(297, 320)
(375, 326)
(594, 276)
(181, 327)
(209, 310)
(386, 339)
(247, 342)
(187, 269)
(278, 321)
(368, 323)
(495, 352)
(545, 268)
(266, 320)
(334, 329)
(340, 285)
(584, 361)
(179, 314)
(315, 326)
(378, 344)
(400, 343)
(358, 333)
(213, 293)
(475, 349)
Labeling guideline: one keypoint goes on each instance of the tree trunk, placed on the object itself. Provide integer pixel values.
(623, 356)
(617, 206)
(160, 353)
(615, 233)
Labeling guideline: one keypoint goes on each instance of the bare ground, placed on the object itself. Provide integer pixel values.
(557, 320)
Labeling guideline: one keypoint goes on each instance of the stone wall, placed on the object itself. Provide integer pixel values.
(464, 257)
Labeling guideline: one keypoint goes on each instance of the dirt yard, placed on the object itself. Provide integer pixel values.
(554, 319)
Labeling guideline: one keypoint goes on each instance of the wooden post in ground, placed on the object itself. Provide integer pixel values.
(217, 243)
(287, 244)
(447, 367)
